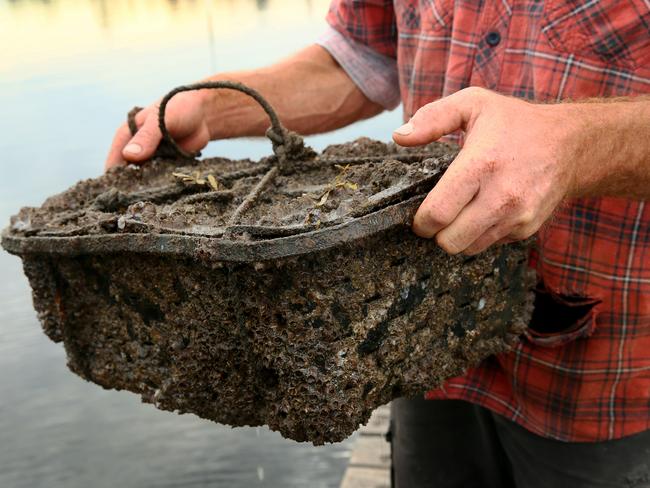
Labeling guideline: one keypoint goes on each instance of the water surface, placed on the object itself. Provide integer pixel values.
(69, 72)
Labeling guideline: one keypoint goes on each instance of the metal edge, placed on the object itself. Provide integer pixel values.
(216, 249)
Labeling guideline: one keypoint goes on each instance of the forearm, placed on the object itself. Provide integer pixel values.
(611, 142)
(309, 90)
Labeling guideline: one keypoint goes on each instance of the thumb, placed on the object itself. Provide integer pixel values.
(144, 143)
(439, 118)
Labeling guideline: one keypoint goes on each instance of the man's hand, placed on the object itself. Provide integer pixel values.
(185, 119)
(309, 90)
(516, 166)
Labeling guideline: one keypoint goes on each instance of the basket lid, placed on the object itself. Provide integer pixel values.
(293, 202)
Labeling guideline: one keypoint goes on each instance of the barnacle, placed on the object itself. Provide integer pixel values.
(303, 310)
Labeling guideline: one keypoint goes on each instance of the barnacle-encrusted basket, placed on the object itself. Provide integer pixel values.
(288, 292)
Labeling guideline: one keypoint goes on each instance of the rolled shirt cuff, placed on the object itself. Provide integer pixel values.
(374, 73)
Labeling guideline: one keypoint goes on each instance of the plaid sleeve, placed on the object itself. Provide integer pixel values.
(362, 38)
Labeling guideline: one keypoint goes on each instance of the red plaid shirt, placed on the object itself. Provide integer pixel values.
(583, 372)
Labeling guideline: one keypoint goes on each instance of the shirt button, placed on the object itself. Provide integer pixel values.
(493, 38)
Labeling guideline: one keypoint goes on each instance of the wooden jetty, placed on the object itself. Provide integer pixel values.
(370, 461)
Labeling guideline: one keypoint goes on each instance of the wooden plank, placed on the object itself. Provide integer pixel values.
(378, 423)
(366, 478)
(371, 451)
(370, 461)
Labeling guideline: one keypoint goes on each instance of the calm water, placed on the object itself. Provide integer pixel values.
(69, 71)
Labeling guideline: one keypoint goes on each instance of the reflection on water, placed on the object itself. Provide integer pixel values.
(69, 71)
(72, 31)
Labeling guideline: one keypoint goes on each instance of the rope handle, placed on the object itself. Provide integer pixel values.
(277, 133)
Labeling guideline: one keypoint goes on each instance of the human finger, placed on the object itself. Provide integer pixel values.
(494, 236)
(121, 138)
(515, 230)
(196, 141)
(476, 221)
(143, 144)
(439, 118)
(456, 188)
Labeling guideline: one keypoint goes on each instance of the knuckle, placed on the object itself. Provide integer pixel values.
(510, 202)
(526, 218)
(475, 92)
(529, 231)
(490, 165)
(447, 244)
(142, 116)
(490, 160)
(420, 230)
(435, 215)
(523, 232)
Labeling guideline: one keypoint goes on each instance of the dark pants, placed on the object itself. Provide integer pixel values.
(454, 444)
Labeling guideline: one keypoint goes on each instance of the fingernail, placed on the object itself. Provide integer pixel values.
(405, 130)
(133, 148)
